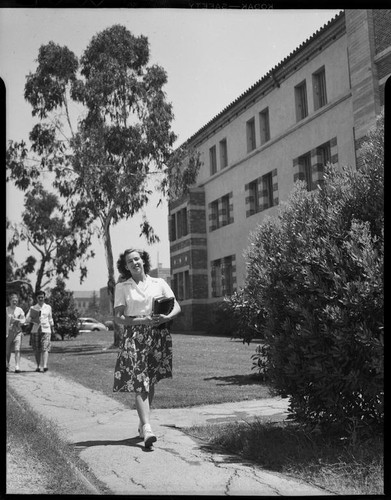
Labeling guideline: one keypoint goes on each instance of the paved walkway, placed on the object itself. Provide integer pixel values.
(105, 433)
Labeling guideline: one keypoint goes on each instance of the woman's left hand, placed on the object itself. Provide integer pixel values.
(158, 319)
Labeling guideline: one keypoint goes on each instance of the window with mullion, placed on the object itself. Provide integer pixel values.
(319, 88)
(301, 101)
(250, 131)
(305, 162)
(267, 181)
(264, 125)
(212, 160)
(223, 154)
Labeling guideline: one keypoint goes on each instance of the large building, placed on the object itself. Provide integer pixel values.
(314, 107)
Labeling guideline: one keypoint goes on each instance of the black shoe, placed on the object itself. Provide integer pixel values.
(17, 371)
(38, 370)
(45, 369)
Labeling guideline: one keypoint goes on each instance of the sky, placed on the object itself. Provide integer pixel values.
(211, 57)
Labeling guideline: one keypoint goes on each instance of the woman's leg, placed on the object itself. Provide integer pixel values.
(45, 356)
(151, 394)
(8, 352)
(17, 360)
(37, 358)
(142, 407)
(143, 410)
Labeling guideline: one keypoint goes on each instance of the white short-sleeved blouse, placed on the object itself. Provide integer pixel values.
(137, 298)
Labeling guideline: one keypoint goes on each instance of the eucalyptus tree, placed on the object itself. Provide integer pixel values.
(104, 131)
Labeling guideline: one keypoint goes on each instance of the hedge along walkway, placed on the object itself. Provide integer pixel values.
(105, 433)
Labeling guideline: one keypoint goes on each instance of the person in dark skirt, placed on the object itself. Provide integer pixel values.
(145, 354)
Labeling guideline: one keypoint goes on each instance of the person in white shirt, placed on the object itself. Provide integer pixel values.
(40, 315)
(145, 355)
(15, 320)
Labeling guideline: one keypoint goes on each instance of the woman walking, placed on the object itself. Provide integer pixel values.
(15, 320)
(145, 355)
(42, 318)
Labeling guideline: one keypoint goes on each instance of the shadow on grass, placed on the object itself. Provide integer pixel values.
(253, 379)
(70, 349)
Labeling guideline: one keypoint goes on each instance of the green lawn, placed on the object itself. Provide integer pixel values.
(205, 369)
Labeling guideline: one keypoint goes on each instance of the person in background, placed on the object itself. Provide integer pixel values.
(40, 315)
(145, 355)
(15, 320)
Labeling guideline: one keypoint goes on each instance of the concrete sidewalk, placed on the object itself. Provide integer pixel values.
(105, 433)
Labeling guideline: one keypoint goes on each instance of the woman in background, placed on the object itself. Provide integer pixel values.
(15, 320)
(41, 316)
(145, 355)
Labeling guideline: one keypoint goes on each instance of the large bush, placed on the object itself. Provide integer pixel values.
(316, 270)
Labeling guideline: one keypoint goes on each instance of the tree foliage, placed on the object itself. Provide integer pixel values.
(103, 164)
(316, 272)
(46, 230)
(65, 315)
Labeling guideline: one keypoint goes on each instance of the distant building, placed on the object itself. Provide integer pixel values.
(85, 300)
(314, 107)
(161, 272)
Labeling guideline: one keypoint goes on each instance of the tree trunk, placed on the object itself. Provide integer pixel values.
(111, 279)
(40, 273)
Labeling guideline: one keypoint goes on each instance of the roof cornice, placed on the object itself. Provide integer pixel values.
(322, 38)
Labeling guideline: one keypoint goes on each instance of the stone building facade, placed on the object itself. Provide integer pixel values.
(314, 107)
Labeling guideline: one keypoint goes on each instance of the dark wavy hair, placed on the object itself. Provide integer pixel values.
(124, 272)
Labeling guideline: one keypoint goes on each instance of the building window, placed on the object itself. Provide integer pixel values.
(324, 154)
(223, 153)
(250, 130)
(264, 125)
(319, 88)
(223, 279)
(173, 227)
(267, 181)
(253, 197)
(212, 160)
(181, 285)
(305, 164)
(224, 214)
(261, 193)
(181, 223)
(221, 212)
(184, 222)
(214, 215)
(301, 101)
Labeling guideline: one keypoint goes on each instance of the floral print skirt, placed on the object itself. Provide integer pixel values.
(145, 357)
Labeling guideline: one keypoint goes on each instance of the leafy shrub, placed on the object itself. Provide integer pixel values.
(237, 316)
(316, 270)
(222, 321)
(64, 311)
